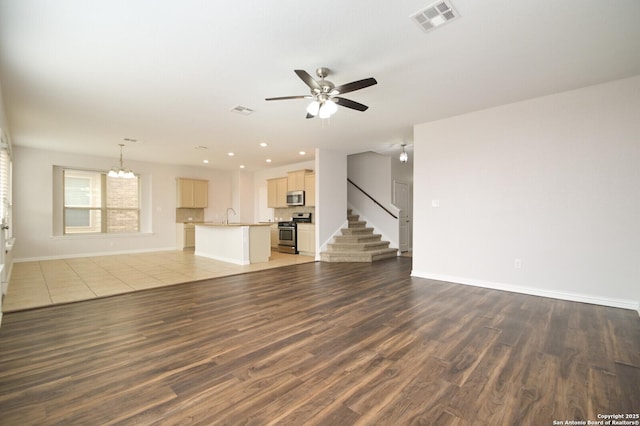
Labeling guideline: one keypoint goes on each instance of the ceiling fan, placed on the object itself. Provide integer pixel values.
(325, 94)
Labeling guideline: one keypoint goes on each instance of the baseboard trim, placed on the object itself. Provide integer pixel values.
(574, 297)
(107, 253)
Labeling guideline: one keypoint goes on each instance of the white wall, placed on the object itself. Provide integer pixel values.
(553, 181)
(331, 195)
(3, 116)
(242, 195)
(402, 172)
(372, 173)
(33, 205)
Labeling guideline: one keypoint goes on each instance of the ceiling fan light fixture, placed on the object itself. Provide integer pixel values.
(324, 94)
(328, 108)
(313, 108)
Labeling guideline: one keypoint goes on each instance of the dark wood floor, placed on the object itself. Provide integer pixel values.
(319, 343)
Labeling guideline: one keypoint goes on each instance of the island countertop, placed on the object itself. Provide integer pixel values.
(231, 224)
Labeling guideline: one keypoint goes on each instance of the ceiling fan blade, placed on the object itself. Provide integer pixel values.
(348, 103)
(288, 97)
(356, 85)
(308, 80)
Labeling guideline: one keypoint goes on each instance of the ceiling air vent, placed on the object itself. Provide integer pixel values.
(435, 15)
(241, 110)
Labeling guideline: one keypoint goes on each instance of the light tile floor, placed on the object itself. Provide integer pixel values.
(50, 282)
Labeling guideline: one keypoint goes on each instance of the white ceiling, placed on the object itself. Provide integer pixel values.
(82, 75)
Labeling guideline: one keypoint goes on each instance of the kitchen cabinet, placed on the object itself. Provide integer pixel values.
(185, 236)
(310, 189)
(192, 193)
(277, 192)
(295, 180)
(306, 239)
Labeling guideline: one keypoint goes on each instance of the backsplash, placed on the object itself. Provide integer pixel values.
(189, 215)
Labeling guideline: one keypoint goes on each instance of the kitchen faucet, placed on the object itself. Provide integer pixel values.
(227, 214)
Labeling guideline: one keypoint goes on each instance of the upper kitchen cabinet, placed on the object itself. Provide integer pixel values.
(296, 180)
(310, 189)
(192, 193)
(277, 192)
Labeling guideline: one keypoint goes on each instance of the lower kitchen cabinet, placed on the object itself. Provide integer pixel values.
(185, 236)
(307, 239)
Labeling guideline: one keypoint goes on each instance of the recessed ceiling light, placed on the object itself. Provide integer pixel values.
(205, 161)
(230, 154)
(302, 153)
(242, 166)
(263, 144)
(268, 160)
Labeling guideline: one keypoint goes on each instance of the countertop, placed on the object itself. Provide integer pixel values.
(231, 224)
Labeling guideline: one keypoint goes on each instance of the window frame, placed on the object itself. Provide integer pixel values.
(104, 209)
(6, 186)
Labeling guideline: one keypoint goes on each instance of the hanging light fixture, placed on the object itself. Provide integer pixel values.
(322, 106)
(404, 157)
(121, 172)
(313, 108)
(328, 108)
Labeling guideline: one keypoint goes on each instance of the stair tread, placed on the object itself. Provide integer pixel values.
(381, 250)
(351, 231)
(366, 246)
(357, 238)
(369, 256)
(357, 224)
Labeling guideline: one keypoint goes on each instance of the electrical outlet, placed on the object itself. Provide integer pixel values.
(517, 263)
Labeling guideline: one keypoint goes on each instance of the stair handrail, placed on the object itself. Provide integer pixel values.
(371, 198)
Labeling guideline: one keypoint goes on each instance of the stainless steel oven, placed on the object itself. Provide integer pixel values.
(287, 237)
(287, 233)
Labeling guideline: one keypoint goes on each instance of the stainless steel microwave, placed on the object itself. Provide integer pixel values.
(295, 198)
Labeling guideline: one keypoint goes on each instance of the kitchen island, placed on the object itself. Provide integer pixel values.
(239, 243)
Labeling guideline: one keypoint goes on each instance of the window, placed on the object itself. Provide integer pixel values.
(97, 203)
(5, 184)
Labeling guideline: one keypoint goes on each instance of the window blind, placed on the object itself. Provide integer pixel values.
(5, 181)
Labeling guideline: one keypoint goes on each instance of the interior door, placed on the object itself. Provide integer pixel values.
(401, 201)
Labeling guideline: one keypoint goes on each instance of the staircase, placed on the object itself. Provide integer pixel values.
(357, 244)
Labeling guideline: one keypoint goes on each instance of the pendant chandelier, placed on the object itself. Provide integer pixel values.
(404, 157)
(121, 172)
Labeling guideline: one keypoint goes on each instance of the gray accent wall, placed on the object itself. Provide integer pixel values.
(540, 197)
